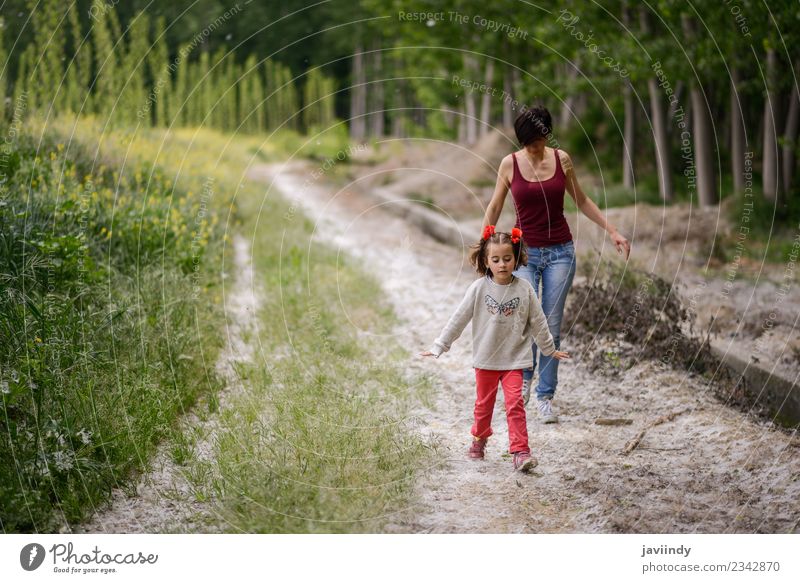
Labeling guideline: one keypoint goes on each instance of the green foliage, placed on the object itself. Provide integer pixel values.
(100, 345)
(321, 440)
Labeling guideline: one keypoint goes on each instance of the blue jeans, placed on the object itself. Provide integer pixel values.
(553, 267)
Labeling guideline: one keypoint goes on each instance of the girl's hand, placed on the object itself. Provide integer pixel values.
(426, 353)
(621, 243)
(560, 355)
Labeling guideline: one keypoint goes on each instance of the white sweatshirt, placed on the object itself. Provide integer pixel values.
(505, 321)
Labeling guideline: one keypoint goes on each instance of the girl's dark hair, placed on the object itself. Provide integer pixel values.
(477, 252)
(533, 124)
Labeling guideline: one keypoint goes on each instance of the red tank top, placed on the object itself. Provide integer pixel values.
(540, 207)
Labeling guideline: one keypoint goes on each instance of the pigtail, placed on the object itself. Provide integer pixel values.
(477, 254)
(520, 250)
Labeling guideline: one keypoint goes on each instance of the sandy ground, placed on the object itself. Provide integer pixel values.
(711, 469)
(162, 499)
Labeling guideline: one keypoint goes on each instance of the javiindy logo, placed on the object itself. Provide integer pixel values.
(31, 556)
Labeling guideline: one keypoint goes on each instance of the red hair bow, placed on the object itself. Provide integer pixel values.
(488, 231)
(516, 235)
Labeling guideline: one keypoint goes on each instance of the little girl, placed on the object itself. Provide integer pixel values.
(506, 316)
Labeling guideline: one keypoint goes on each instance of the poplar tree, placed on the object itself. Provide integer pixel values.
(161, 82)
(105, 88)
(327, 108)
(203, 91)
(290, 100)
(48, 69)
(230, 89)
(212, 108)
(250, 97)
(312, 110)
(134, 97)
(178, 107)
(24, 89)
(81, 63)
(271, 95)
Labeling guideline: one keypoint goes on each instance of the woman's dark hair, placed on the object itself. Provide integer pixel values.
(477, 252)
(533, 124)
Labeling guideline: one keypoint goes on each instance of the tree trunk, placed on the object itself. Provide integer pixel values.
(508, 96)
(629, 146)
(659, 125)
(703, 148)
(568, 105)
(376, 125)
(358, 97)
(771, 174)
(471, 119)
(673, 106)
(701, 128)
(397, 96)
(660, 140)
(737, 134)
(486, 102)
(790, 138)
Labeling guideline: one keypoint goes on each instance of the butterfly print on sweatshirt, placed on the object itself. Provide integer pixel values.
(506, 308)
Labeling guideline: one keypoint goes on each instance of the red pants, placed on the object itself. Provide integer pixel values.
(486, 381)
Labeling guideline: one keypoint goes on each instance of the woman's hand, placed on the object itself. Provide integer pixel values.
(560, 355)
(426, 353)
(621, 243)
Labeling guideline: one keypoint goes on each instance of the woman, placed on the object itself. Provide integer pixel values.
(538, 176)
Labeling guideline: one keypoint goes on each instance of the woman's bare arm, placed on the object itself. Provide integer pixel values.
(588, 207)
(495, 206)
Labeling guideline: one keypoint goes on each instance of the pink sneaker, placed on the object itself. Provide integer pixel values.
(477, 447)
(523, 462)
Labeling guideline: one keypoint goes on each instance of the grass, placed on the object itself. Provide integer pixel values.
(108, 310)
(320, 441)
(323, 439)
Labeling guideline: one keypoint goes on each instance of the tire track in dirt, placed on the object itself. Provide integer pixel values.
(162, 499)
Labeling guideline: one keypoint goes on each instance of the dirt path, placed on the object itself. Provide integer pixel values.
(162, 499)
(711, 469)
